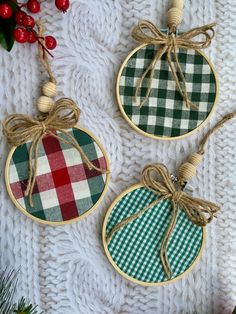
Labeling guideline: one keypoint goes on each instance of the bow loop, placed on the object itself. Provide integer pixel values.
(18, 128)
(189, 39)
(157, 178)
(199, 211)
(147, 32)
(64, 112)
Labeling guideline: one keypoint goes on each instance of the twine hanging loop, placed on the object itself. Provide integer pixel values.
(20, 128)
(147, 33)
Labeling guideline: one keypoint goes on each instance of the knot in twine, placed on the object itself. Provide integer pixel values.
(147, 33)
(177, 196)
(44, 128)
(20, 128)
(198, 211)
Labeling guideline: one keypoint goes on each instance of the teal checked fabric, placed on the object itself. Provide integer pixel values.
(165, 113)
(65, 188)
(135, 247)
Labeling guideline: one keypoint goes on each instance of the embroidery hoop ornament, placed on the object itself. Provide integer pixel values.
(154, 97)
(124, 225)
(55, 117)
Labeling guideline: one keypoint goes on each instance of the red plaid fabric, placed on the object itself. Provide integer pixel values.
(65, 188)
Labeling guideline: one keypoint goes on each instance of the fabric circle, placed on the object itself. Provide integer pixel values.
(165, 114)
(65, 189)
(134, 249)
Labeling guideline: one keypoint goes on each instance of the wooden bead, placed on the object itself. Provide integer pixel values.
(187, 171)
(174, 16)
(177, 4)
(195, 159)
(49, 89)
(45, 104)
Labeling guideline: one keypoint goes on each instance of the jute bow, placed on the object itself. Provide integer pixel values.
(198, 211)
(147, 33)
(20, 128)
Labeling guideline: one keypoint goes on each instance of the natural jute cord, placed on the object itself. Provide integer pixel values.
(43, 57)
(147, 33)
(158, 179)
(20, 128)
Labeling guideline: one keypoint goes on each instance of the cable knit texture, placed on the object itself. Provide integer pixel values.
(64, 269)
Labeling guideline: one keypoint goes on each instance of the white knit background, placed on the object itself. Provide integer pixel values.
(64, 269)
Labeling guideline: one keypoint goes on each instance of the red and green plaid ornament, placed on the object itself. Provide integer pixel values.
(65, 188)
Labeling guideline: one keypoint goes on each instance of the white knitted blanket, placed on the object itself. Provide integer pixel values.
(64, 269)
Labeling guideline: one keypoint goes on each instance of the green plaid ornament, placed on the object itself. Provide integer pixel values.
(165, 114)
(65, 188)
(133, 250)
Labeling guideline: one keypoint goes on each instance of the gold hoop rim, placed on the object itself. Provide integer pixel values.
(123, 274)
(162, 138)
(59, 223)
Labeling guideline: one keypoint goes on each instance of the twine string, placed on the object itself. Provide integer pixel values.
(218, 125)
(19, 129)
(147, 33)
(43, 52)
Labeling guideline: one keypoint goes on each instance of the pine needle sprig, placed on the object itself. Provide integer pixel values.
(23, 308)
(8, 283)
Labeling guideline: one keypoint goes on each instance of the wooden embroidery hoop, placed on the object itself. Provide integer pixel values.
(123, 274)
(57, 223)
(163, 138)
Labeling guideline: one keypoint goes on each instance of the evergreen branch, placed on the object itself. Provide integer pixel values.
(8, 282)
(7, 289)
(23, 308)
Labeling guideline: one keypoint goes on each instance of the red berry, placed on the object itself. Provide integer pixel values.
(62, 5)
(33, 6)
(28, 21)
(50, 42)
(19, 15)
(20, 35)
(32, 36)
(5, 11)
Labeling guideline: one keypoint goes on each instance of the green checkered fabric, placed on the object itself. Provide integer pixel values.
(65, 187)
(135, 247)
(165, 113)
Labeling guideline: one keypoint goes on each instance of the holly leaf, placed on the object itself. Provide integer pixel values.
(6, 38)
(7, 27)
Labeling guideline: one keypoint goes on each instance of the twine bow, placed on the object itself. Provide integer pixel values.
(147, 33)
(198, 211)
(20, 128)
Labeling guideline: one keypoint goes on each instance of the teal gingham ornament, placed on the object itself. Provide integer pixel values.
(133, 250)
